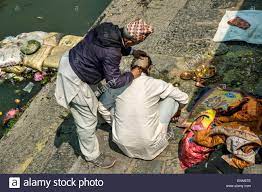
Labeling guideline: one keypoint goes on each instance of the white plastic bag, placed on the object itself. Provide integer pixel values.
(28, 88)
(35, 35)
(10, 40)
(10, 56)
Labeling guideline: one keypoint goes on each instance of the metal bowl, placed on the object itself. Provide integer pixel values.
(186, 75)
(205, 71)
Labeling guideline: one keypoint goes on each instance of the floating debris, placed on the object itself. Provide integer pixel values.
(39, 76)
(11, 114)
(40, 17)
(17, 8)
(76, 8)
(28, 88)
(17, 101)
(17, 91)
(18, 78)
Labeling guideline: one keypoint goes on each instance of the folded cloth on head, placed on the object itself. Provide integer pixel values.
(139, 29)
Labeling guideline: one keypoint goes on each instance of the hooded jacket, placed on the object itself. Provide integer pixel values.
(98, 56)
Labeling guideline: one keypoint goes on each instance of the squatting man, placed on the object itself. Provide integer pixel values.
(140, 112)
(82, 68)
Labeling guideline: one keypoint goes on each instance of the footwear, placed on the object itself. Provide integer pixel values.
(104, 161)
(170, 134)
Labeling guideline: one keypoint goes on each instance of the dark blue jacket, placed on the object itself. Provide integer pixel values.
(98, 56)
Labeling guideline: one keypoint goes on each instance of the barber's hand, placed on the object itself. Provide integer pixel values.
(138, 53)
(136, 72)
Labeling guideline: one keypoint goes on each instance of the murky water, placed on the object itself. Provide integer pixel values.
(64, 16)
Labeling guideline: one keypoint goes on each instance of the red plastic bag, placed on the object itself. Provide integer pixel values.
(191, 153)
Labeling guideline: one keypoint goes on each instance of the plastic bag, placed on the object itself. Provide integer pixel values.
(10, 56)
(190, 153)
(59, 50)
(10, 40)
(18, 78)
(28, 88)
(36, 60)
(14, 69)
(52, 39)
(70, 40)
(35, 35)
(53, 60)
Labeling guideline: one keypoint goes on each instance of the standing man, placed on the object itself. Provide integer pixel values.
(95, 58)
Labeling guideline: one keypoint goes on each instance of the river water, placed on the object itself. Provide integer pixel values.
(64, 16)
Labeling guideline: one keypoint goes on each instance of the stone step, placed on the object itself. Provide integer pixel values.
(166, 162)
(61, 161)
(190, 32)
(109, 148)
(60, 153)
(32, 132)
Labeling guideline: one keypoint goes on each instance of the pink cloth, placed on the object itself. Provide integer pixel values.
(39, 76)
(10, 115)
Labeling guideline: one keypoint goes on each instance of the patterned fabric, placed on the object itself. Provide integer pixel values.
(216, 98)
(240, 131)
(139, 29)
(234, 145)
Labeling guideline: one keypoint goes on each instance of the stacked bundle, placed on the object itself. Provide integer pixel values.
(238, 127)
(35, 50)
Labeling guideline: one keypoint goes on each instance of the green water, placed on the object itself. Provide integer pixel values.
(64, 16)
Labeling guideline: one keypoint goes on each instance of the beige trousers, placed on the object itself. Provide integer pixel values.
(80, 99)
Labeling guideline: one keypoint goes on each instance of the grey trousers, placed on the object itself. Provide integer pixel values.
(80, 99)
(167, 109)
(86, 122)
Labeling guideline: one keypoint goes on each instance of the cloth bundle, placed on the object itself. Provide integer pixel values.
(239, 128)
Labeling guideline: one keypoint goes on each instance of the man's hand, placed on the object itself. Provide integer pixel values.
(138, 53)
(176, 116)
(136, 72)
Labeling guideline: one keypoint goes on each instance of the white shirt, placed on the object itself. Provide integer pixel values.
(136, 126)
